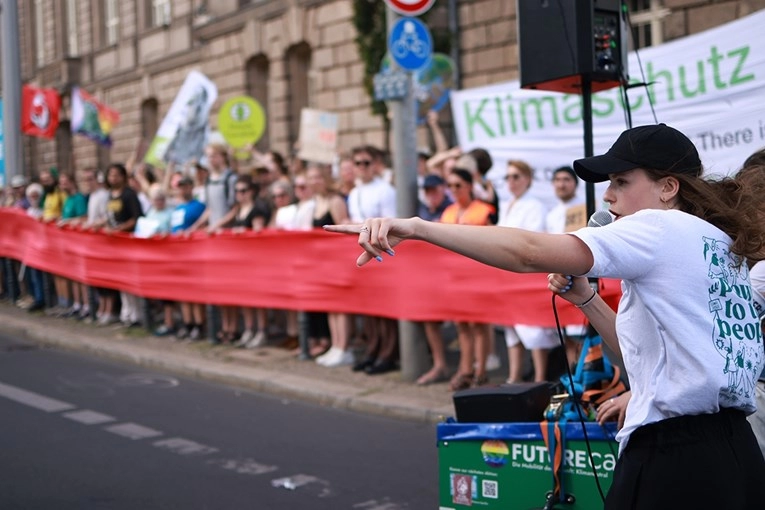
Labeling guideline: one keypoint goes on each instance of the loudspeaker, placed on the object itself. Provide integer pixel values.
(563, 41)
(507, 403)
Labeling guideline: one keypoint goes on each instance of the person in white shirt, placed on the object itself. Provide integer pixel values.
(565, 184)
(528, 213)
(686, 325)
(373, 197)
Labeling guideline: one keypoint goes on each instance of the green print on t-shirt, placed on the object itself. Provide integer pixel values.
(737, 334)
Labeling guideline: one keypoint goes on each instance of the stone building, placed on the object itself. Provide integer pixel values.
(133, 55)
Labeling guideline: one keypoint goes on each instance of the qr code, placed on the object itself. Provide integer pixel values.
(489, 489)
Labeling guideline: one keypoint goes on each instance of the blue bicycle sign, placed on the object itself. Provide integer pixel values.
(410, 44)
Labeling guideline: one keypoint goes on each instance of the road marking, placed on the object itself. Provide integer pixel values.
(243, 466)
(88, 417)
(184, 446)
(35, 400)
(133, 431)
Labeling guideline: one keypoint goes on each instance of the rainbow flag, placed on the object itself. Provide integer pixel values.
(92, 118)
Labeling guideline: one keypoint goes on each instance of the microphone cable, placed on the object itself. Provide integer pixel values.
(576, 403)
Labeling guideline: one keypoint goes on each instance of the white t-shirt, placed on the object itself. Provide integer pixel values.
(527, 213)
(687, 327)
(374, 199)
(555, 223)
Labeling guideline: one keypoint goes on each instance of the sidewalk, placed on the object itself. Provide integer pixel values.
(270, 370)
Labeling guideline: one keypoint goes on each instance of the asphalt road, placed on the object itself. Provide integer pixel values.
(85, 433)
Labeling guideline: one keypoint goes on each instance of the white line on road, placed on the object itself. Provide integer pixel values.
(133, 431)
(243, 466)
(88, 417)
(184, 446)
(35, 400)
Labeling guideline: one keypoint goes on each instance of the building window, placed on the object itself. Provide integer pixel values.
(111, 22)
(149, 119)
(72, 41)
(298, 66)
(160, 13)
(39, 33)
(646, 18)
(256, 79)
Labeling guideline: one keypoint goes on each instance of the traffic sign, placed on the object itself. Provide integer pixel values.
(410, 43)
(410, 7)
(391, 85)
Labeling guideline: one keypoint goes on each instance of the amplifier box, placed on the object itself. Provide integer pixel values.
(507, 403)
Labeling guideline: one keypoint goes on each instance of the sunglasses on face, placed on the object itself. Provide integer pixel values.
(362, 162)
(454, 185)
(241, 190)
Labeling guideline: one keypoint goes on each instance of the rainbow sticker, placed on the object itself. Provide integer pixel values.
(495, 453)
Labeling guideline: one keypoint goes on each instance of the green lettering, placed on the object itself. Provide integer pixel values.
(500, 115)
(511, 113)
(652, 77)
(606, 102)
(572, 113)
(537, 105)
(742, 53)
(715, 59)
(702, 86)
(474, 118)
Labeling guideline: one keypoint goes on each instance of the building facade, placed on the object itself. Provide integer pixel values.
(288, 54)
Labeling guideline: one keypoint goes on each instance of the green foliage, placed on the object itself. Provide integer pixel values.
(369, 20)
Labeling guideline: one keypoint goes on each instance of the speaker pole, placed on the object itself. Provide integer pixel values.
(588, 145)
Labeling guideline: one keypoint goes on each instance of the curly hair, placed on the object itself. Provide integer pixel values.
(729, 203)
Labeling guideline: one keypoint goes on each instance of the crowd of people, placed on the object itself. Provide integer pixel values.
(268, 192)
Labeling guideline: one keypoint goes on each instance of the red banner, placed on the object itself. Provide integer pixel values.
(39, 111)
(290, 270)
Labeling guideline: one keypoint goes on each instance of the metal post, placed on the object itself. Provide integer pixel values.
(414, 357)
(9, 32)
(588, 144)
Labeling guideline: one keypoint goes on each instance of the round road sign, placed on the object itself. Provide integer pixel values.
(410, 7)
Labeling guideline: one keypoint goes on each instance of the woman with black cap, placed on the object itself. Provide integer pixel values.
(686, 326)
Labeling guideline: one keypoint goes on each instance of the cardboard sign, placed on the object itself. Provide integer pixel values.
(318, 136)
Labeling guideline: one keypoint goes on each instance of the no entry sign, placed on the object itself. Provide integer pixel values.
(410, 7)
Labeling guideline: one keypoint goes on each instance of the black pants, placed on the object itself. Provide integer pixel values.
(704, 461)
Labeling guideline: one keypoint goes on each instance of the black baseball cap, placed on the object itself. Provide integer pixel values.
(654, 147)
(432, 181)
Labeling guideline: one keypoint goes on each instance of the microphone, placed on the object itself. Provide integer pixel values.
(600, 218)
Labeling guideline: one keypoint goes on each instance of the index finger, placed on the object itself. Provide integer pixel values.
(344, 229)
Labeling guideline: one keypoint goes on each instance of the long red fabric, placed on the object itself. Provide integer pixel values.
(290, 270)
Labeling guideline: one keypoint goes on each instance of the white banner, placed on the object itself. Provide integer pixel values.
(183, 133)
(710, 86)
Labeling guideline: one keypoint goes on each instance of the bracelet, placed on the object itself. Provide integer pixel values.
(594, 293)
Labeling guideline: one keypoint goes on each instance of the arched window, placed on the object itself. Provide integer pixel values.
(149, 119)
(256, 79)
(298, 65)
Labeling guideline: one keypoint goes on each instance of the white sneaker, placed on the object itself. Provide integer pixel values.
(257, 341)
(331, 353)
(246, 338)
(341, 358)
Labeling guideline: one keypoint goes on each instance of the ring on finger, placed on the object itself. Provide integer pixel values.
(364, 229)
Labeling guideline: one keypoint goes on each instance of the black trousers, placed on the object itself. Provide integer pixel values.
(704, 461)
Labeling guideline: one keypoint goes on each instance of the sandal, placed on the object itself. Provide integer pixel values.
(460, 381)
(432, 376)
(479, 380)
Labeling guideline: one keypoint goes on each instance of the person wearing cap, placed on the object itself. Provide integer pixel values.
(686, 326)
(182, 217)
(436, 200)
(565, 183)
(18, 198)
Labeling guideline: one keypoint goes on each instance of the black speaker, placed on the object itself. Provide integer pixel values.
(562, 41)
(507, 403)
